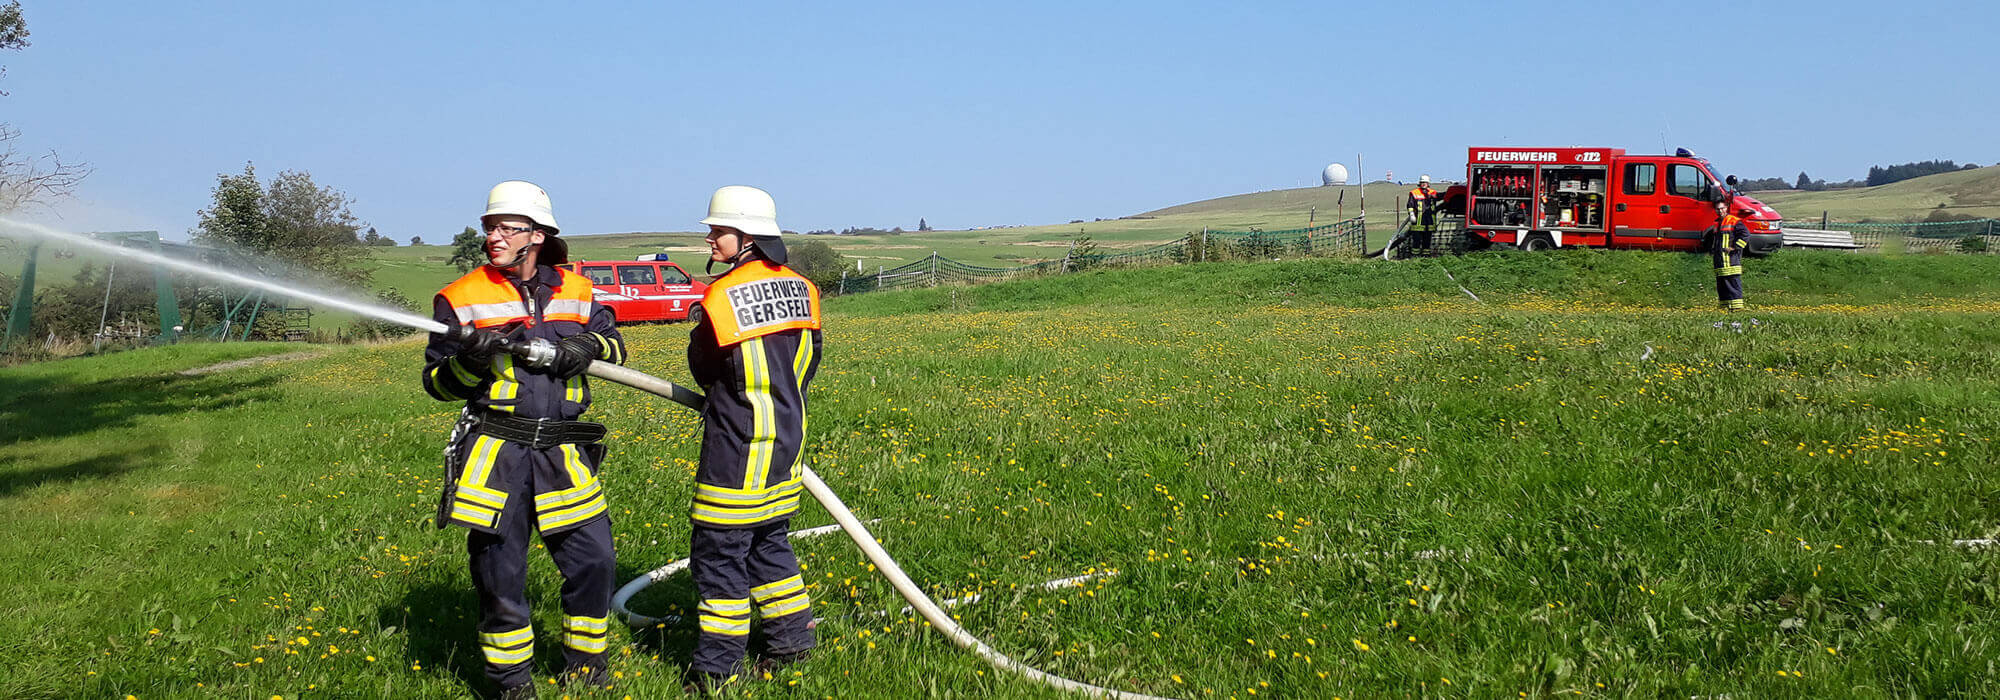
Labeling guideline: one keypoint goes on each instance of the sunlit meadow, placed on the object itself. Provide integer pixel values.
(1312, 479)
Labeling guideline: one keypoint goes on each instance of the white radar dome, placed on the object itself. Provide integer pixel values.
(1335, 174)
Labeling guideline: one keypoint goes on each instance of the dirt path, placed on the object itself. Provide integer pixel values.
(251, 362)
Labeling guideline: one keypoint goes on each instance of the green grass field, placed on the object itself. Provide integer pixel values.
(1314, 479)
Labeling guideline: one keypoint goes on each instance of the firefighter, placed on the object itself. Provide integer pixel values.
(754, 353)
(1727, 246)
(1424, 205)
(521, 460)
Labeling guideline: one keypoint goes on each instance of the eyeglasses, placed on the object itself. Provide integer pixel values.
(509, 230)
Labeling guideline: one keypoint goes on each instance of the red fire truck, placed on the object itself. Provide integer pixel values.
(1541, 198)
(647, 289)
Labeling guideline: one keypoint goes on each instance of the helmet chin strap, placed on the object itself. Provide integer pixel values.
(734, 260)
(520, 255)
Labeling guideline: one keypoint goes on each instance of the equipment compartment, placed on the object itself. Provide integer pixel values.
(1573, 198)
(1501, 195)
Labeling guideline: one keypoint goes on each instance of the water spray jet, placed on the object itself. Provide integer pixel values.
(112, 250)
(540, 350)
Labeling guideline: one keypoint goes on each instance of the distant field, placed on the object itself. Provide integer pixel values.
(1967, 192)
(418, 271)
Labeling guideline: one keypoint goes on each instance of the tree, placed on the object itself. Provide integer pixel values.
(293, 220)
(372, 238)
(1083, 253)
(1883, 175)
(923, 225)
(817, 261)
(1804, 182)
(13, 31)
(27, 180)
(468, 249)
(416, 240)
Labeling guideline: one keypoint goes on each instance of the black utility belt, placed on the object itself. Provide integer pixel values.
(538, 433)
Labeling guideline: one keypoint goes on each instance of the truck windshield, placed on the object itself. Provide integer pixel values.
(1719, 182)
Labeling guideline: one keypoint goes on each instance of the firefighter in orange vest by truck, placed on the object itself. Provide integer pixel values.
(1423, 207)
(1731, 238)
(754, 354)
(520, 459)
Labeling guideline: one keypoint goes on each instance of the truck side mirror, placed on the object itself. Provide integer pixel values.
(1731, 180)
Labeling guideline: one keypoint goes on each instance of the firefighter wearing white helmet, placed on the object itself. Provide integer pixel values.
(755, 354)
(521, 461)
(1424, 206)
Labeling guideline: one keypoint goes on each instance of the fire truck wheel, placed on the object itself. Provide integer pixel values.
(1538, 241)
(695, 314)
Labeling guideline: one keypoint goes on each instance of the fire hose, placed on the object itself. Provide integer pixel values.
(541, 351)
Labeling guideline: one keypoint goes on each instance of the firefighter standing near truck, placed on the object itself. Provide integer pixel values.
(1726, 248)
(754, 354)
(1424, 205)
(521, 461)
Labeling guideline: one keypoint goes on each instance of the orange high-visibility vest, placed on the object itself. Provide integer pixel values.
(485, 298)
(757, 299)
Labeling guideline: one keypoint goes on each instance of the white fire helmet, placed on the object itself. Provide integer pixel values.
(526, 199)
(745, 209)
(1424, 180)
(521, 198)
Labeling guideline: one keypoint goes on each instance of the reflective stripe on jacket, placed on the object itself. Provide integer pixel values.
(1732, 237)
(555, 304)
(1425, 204)
(552, 305)
(754, 354)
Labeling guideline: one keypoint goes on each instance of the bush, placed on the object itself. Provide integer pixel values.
(818, 262)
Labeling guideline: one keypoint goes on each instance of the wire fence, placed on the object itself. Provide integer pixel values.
(1975, 236)
(1340, 239)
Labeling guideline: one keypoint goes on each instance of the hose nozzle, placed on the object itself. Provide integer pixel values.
(536, 352)
(539, 353)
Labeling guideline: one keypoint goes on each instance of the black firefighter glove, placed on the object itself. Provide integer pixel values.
(479, 348)
(574, 354)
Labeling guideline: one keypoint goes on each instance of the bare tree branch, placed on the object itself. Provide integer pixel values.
(34, 180)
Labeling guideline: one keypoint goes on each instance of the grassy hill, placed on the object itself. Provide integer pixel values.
(1313, 479)
(418, 271)
(1966, 192)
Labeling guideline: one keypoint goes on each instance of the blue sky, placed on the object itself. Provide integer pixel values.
(970, 114)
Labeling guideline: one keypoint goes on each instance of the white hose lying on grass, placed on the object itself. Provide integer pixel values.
(622, 600)
(858, 532)
(631, 588)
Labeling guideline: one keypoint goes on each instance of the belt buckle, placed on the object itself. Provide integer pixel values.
(539, 423)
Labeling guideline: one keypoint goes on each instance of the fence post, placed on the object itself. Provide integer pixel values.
(1822, 220)
(934, 275)
(1204, 244)
(843, 280)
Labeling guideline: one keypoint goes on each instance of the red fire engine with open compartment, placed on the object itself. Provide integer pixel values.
(1541, 198)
